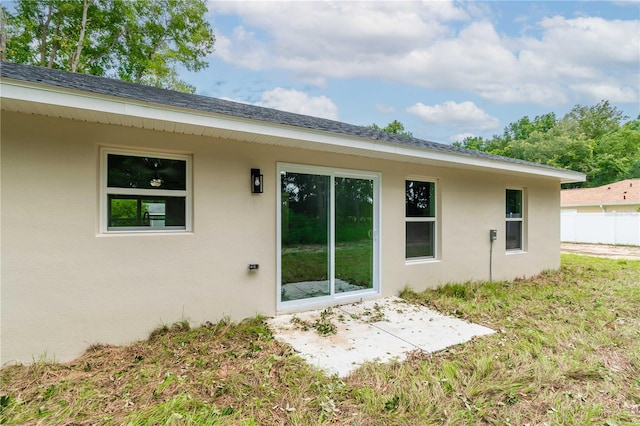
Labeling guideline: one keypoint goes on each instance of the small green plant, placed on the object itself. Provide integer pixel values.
(5, 400)
(461, 291)
(168, 380)
(392, 404)
(375, 315)
(253, 348)
(158, 332)
(176, 327)
(323, 325)
(301, 324)
(327, 391)
(49, 392)
(511, 398)
(325, 328)
(182, 325)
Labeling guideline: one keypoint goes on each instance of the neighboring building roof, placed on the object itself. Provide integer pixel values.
(617, 193)
(389, 145)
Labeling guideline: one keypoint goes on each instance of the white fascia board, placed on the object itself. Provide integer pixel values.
(605, 204)
(565, 176)
(69, 98)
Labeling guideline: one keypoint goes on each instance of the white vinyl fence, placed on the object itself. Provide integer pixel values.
(600, 228)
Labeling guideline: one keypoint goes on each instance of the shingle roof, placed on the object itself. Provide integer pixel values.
(122, 89)
(622, 192)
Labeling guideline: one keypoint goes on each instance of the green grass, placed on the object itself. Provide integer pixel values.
(567, 352)
(310, 263)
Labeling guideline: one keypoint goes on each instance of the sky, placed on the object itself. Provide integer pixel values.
(445, 69)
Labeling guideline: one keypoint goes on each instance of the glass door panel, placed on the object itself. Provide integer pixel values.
(305, 231)
(354, 229)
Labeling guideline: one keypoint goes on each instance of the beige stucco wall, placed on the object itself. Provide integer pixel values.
(66, 286)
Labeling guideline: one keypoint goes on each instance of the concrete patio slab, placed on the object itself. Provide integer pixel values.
(377, 330)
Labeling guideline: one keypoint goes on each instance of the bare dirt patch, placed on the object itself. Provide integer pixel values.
(602, 250)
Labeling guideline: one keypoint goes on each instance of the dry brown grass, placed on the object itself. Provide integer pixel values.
(567, 352)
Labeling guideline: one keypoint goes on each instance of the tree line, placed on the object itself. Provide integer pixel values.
(596, 140)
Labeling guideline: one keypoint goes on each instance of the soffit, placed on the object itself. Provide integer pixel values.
(68, 104)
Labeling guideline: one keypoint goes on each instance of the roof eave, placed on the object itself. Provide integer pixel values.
(105, 107)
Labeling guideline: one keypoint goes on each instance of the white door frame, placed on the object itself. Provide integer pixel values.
(333, 298)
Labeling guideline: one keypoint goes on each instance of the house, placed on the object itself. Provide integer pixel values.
(620, 197)
(125, 207)
(608, 214)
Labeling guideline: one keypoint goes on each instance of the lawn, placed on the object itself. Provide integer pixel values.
(567, 352)
(310, 263)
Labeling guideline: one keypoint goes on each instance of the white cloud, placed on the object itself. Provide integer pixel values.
(611, 92)
(460, 137)
(463, 115)
(440, 45)
(299, 102)
(591, 41)
(540, 94)
(254, 52)
(304, 34)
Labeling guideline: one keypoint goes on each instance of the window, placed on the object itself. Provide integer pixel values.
(515, 219)
(420, 204)
(145, 192)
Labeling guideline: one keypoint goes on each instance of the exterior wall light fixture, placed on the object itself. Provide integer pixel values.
(256, 181)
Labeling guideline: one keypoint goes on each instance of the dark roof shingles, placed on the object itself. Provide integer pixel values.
(122, 89)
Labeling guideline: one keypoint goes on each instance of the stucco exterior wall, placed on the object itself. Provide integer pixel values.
(66, 286)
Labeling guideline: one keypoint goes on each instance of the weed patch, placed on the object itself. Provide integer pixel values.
(323, 325)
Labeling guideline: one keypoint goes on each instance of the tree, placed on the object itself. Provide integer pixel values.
(523, 128)
(142, 41)
(476, 143)
(497, 145)
(562, 146)
(395, 127)
(589, 139)
(596, 121)
(617, 155)
(3, 36)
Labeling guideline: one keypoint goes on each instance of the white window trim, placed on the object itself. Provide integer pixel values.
(523, 233)
(333, 298)
(423, 259)
(105, 192)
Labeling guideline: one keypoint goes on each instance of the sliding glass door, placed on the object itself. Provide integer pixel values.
(328, 234)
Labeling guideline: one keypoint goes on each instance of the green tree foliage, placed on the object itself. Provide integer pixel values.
(617, 154)
(394, 127)
(588, 139)
(561, 147)
(524, 127)
(142, 41)
(596, 121)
